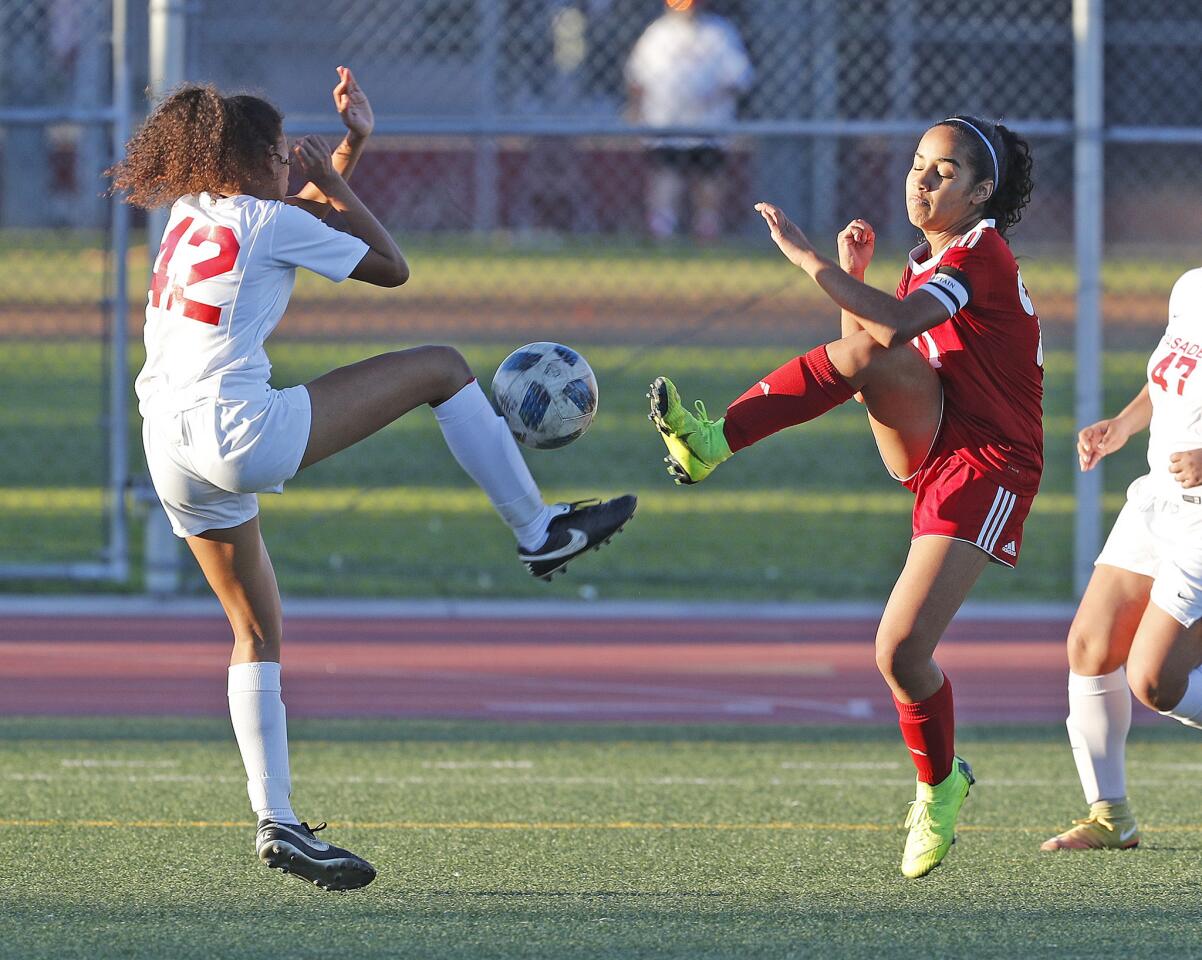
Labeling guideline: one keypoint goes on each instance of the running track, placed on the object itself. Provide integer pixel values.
(776, 671)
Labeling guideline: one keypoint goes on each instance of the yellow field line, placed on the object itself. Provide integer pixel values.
(402, 825)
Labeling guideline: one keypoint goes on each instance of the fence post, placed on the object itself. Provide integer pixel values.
(119, 330)
(1088, 198)
(168, 33)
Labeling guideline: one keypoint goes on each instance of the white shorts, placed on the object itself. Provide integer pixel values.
(1159, 535)
(207, 462)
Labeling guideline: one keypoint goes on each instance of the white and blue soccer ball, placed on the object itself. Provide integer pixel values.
(547, 394)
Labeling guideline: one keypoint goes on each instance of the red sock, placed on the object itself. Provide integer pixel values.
(804, 388)
(929, 729)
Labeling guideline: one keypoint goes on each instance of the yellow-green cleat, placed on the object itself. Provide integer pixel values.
(696, 444)
(932, 820)
(1109, 826)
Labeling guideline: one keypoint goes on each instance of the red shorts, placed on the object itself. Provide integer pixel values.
(953, 498)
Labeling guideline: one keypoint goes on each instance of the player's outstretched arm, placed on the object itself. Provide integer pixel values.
(887, 320)
(1103, 438)
(355, 110)
(383, 265)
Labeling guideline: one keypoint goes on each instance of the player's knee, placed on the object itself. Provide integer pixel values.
(855, 353)
(898, 659)
(1153, 689)
(1089, 653)
(448, 369)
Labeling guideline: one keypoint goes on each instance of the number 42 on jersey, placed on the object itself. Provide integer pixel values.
(163, 281)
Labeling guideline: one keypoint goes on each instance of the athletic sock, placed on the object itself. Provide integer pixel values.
(1099, 718)
(929, 729)
(804, 388)
(1189, 709)
(484, 447)
(261, 727)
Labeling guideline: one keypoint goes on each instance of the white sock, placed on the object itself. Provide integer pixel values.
(486, 450)
(1099, 718)
(1189, 710)
(261, 727)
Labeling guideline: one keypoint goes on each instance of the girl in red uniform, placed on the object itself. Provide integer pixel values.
(951, 373)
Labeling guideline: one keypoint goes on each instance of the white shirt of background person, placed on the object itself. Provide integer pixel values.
(690, 68)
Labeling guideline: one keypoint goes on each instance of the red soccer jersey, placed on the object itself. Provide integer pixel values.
(988, 353)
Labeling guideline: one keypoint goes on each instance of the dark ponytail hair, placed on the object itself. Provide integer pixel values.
(1013, 185)
(197, 140)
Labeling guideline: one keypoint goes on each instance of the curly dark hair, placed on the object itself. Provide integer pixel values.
(197, 140)
(1013, 191)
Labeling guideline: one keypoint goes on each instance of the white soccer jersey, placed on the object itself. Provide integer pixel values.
(222, 279)
(1173, 384)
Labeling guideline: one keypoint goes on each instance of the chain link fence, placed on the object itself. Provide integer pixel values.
(61, 495)
(1153, 164)
(584, 171)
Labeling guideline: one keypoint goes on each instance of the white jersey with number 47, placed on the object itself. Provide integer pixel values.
(1175, 389)
(222, 279)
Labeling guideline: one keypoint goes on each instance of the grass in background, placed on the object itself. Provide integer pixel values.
(69, 267)
(598, 841)
(807, 514)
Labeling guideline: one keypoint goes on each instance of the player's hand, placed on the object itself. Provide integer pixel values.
(788, 236)
(857, 241)
(1099, 440)
(1186, 468)
(352, 104)
(313, 161)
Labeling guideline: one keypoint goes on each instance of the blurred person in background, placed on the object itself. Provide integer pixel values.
(688, 68)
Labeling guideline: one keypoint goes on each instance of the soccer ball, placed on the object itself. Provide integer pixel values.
(547, 394)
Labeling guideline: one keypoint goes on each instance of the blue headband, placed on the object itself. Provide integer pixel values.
(997, 181)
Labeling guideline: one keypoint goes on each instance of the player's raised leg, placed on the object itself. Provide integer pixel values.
(355, 401)
(903, 395)
(938, 575)
(236, 564)
(1099, 717)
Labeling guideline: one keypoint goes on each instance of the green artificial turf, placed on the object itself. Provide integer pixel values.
(131, 838)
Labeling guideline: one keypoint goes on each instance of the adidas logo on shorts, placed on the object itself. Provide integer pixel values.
(1010, 549)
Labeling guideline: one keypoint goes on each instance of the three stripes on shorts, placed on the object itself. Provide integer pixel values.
(995, 522)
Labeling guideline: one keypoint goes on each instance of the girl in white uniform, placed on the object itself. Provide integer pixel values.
(216, 434)
(1138, 624)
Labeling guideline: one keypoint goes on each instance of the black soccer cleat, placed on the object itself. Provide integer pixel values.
(294, 849)
(584, 526)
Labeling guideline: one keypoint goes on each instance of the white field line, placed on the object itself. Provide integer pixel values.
(858, 708)
(629, 708)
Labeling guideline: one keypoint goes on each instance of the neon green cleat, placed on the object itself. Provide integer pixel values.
(932, 820)
(1109, 826)
(696, 444)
